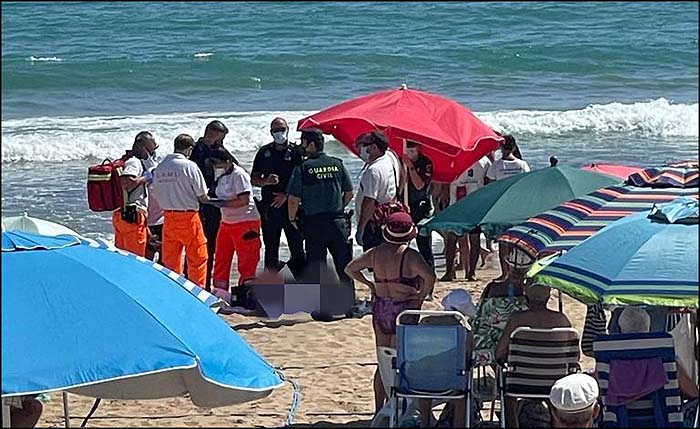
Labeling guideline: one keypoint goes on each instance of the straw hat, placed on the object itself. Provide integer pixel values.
(399, 228)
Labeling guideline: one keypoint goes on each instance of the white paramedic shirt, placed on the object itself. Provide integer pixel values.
(177, 182)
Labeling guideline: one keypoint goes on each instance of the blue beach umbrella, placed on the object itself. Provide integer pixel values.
(80, 317)
(649, 258)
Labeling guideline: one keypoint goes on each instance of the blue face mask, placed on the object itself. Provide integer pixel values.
(364, 154)
(280, 137)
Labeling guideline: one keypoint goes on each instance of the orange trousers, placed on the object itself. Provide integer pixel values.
(130, 236)
(230, 240)
(183, 230)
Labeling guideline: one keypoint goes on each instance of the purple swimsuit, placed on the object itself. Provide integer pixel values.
(385, 309)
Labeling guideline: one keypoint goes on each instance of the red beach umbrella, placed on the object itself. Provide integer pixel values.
(449, 133)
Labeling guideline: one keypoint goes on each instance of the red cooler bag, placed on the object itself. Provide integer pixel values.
(103, 188)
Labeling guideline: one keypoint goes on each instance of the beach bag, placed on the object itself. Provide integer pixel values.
(383, 211)
(104, 191)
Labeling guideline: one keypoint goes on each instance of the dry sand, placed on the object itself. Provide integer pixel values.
(334, 363)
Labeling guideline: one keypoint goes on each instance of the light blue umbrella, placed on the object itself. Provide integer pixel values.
(650, 258)
(80, 317)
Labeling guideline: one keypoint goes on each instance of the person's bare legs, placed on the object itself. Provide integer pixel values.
(379, 393)
(511, 412)
(460, 420)
(28, 416)
(463, 242)
(503, 250)
(474, 250)
(450, 253)
(425, 408)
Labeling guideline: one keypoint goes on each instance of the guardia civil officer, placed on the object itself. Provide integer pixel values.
(322, 185)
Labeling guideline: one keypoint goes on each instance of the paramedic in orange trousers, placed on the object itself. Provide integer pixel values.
(179, 187)
(214, 135)
(129, 222)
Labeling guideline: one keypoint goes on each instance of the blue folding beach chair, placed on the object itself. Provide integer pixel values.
(661, 408)
(432, 359)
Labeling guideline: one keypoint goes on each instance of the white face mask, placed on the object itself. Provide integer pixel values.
(364, 153)
(218, 172)
(280, 137)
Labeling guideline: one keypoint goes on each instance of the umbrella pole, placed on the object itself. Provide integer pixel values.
(6, 421)
(561, 303)
(66, 416)
(405, 184)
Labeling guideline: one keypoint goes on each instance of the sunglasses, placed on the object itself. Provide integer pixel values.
(276, 130)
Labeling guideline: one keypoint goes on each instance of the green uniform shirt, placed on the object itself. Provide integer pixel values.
(320, 182)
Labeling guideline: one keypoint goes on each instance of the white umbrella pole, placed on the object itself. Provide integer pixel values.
(5, 415)
(66, 416)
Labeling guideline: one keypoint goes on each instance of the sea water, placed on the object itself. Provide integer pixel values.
(586, 82)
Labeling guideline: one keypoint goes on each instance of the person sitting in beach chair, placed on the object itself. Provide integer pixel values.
(642, 382)
(433, 363)
(452, 415)
(537, 316)
(536, 359)
(574, 401)
(402, 281)
(498, 301)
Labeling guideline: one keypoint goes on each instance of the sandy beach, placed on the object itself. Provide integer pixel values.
(333, 362)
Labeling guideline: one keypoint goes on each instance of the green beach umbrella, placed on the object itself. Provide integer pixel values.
(512, 201)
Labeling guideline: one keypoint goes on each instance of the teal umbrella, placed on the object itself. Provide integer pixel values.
(508, 202)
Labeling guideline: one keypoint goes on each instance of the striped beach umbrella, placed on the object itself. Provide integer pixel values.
(574, 221)
(649, 258)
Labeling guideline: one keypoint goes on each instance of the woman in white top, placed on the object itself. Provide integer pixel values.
(240, 221)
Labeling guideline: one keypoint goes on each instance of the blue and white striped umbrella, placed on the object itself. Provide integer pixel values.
(84, 317)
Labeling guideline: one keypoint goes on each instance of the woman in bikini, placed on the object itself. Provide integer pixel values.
(402, 280)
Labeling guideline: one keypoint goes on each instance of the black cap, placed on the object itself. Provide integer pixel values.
(217, 126)
(312, 135)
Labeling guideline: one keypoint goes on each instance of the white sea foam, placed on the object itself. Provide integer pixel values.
(203, 54)
(65, 138)
(654, 118)
(47, 59)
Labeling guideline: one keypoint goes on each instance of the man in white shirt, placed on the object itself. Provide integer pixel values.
(378, 185)
(129, 221)
(179, 186)
(509, 165)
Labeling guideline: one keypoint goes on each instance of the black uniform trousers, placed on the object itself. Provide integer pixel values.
(211, 218)
(325, 233)
(425, 243)
(274, 221)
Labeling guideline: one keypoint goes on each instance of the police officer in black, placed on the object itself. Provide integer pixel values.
(418, 176)
(272, 168)
(214, 135)
(322, 186)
